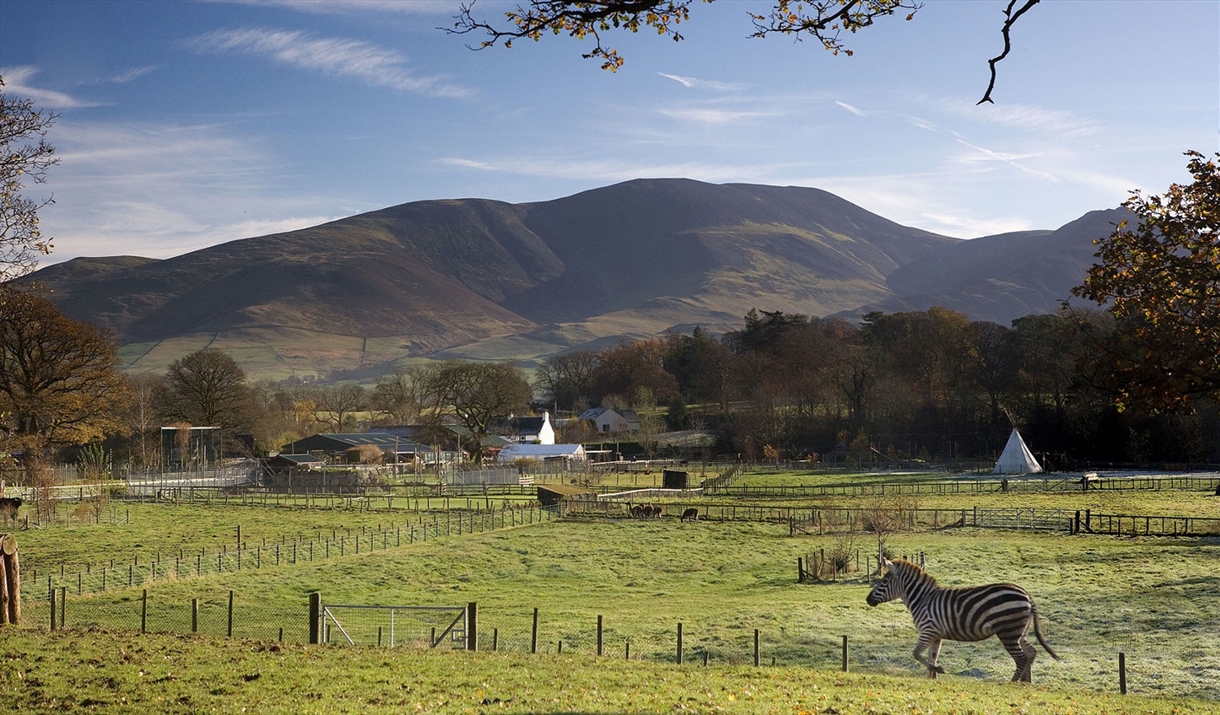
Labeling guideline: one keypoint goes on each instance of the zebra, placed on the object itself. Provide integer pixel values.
(962, 614)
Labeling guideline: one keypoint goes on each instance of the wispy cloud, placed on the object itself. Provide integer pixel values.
(982, 154)
(854, 110)
(911, 119)
(713, 116)
(621, 169)
(160, 190)
(334, 56)
(696, 83)
(1024, 116)
(127, 76)
(17, 82)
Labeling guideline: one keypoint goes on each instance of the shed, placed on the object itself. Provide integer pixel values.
(674, 479)
(550, 494)
(284, 463)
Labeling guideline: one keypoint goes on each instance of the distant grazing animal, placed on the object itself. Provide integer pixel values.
(637, 511)
(654, 511)
(691, 514)
(9, 507)
(962, 614)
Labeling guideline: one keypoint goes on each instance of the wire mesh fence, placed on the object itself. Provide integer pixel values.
(1157, 663)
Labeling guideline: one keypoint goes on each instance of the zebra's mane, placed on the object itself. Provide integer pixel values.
(914, 569)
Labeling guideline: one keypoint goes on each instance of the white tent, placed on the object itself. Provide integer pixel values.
(1016, 458)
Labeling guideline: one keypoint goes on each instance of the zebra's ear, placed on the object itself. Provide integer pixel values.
(886, 562)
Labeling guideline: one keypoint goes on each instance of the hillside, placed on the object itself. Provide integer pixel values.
(487, 279)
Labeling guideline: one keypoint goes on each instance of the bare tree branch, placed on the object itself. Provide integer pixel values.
(1008, 23)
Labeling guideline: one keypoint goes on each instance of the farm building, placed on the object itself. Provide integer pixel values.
(337, 445)
(285, 463)
(543, 452)
(608, 421)
(549, 494)
(528, 430)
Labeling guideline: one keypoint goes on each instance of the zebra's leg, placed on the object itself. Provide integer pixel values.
(1030, 655)
(930, 642)
(1021, 652)
(933, 656)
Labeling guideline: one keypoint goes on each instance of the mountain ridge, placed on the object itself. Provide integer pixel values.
(487, 279)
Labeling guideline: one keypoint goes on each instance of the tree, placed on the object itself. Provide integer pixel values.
(567, 379)
(334, 404)
(398, 396)
(59, 378)
(824, 21)
(1162, 281)
(25, 156)
(478, 394)
(206, 388)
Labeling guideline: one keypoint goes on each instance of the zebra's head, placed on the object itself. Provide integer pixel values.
(888, 588)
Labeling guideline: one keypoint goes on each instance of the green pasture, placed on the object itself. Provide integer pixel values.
(1151, 598)
(70, 672)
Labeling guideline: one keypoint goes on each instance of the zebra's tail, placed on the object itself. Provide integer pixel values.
(1038, 631)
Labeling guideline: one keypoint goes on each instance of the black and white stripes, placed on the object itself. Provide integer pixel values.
(1003, 610)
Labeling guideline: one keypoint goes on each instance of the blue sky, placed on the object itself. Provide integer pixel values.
(185, 124)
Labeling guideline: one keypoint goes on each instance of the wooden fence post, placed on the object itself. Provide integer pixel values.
(534, 634)
(472, 626)
(194, 615)
(757, 660)
(679, 644)
(844, 653)
(143, 611)
(599, 636)
(230, 629)
(1122, 673)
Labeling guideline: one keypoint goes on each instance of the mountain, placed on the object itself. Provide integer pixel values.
(486, 279)
(1003, 277)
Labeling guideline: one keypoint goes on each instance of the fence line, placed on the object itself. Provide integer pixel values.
(967, 486)
(38, 585)
(683, 643)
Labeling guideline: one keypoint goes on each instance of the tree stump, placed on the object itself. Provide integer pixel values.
(10, 581)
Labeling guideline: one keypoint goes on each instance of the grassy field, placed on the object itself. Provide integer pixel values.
(1151, 598)
(109, 672)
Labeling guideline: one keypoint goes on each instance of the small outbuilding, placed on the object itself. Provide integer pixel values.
(551, 494)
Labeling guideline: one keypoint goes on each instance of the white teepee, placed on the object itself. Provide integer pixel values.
(1016, 458)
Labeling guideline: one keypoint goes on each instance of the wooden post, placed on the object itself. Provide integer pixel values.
(230, 629)
(315, 617)
(54, 611)
(679, 644)
(844, 654)
(194, 615)
(143, 611)
(4, 592)
(1122, 673)
(495, 639)
(12, 576)
(627, 651)
(800, 570)
(599, 636)
(534, 634)
(472, 626)
(757, 660)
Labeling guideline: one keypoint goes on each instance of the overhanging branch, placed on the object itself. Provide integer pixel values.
(1008, 23)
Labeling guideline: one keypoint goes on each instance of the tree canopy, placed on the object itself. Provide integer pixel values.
(59, 382)
(1161, 278)
(823, 21)
(25, 156)
(207, 389)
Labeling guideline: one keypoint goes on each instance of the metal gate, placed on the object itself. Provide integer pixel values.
(395, 626)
